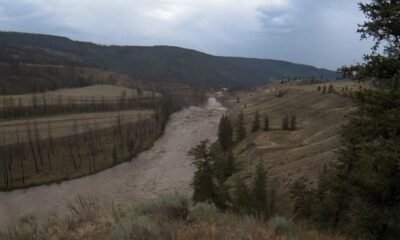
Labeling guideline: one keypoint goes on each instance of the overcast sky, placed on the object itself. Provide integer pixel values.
(317, 32)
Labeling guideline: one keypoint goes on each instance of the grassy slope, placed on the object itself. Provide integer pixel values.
(290, 155)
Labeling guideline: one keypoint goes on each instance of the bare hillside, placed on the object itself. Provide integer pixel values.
(290, 155)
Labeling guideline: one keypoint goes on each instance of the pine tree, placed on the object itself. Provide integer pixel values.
(330, 88)
(360, 194)
(204, 184)
(224, 165)
(225, 133)
(266, 123)
(259, 191)
(324, 89)
(242, 202)
(319, 88)
(256, 122)
(302, 198)
(240, 128)
(285, 123)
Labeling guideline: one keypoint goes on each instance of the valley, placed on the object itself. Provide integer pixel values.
(163, 168)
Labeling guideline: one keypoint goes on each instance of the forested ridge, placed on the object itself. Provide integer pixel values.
(158, 63)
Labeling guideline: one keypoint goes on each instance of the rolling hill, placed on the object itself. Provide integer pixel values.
(157, 63)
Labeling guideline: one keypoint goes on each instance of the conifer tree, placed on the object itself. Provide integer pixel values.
(204, 183)
(259, 191)
(330, 88)
(240, 127)
(319, 88)
(225, 133)
(360, 194)
(224, 165)
(256, 122)
(302, 198)
(324, 89)
(242, 202)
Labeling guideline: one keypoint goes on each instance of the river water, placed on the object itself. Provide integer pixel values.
(163, 168)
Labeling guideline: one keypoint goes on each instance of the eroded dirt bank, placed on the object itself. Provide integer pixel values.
(163, 168)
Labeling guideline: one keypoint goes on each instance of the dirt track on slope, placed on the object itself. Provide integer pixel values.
(163, 168)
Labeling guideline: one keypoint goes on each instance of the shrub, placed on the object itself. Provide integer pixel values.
(171, 206)
(134, 226)
(281, 226)
(25, 229)
(83, 209)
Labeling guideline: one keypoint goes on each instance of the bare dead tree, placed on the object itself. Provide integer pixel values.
(60, 102)
(92, 149)
(32, 146)
(77, 143)
(10, 162)
(20, 111)
(37, 141)
(71, 152)
(4, 162)
(50, 137)
(21, 155)
(50, 149)
(34, 101)
(44, 103)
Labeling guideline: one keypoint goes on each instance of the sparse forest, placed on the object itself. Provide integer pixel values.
(48, 138)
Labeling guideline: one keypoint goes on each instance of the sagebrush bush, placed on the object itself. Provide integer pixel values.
(133, 227)
(25, 229)
(171, 206)
(281, 226)
(83, 209)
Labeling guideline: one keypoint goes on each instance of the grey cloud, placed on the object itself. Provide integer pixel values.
(317, 32)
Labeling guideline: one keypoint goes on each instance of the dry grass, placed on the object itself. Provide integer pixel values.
(66, 125)
(82, 95)
(289, 155)
(152, 221)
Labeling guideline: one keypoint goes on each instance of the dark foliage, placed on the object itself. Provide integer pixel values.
(160, 63)
(360, 194)
(225, 133)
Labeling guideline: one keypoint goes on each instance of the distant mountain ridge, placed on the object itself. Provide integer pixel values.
(157, 63)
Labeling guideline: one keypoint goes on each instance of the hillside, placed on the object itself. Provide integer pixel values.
(158, 63)
(33, 78)
(290, 155)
